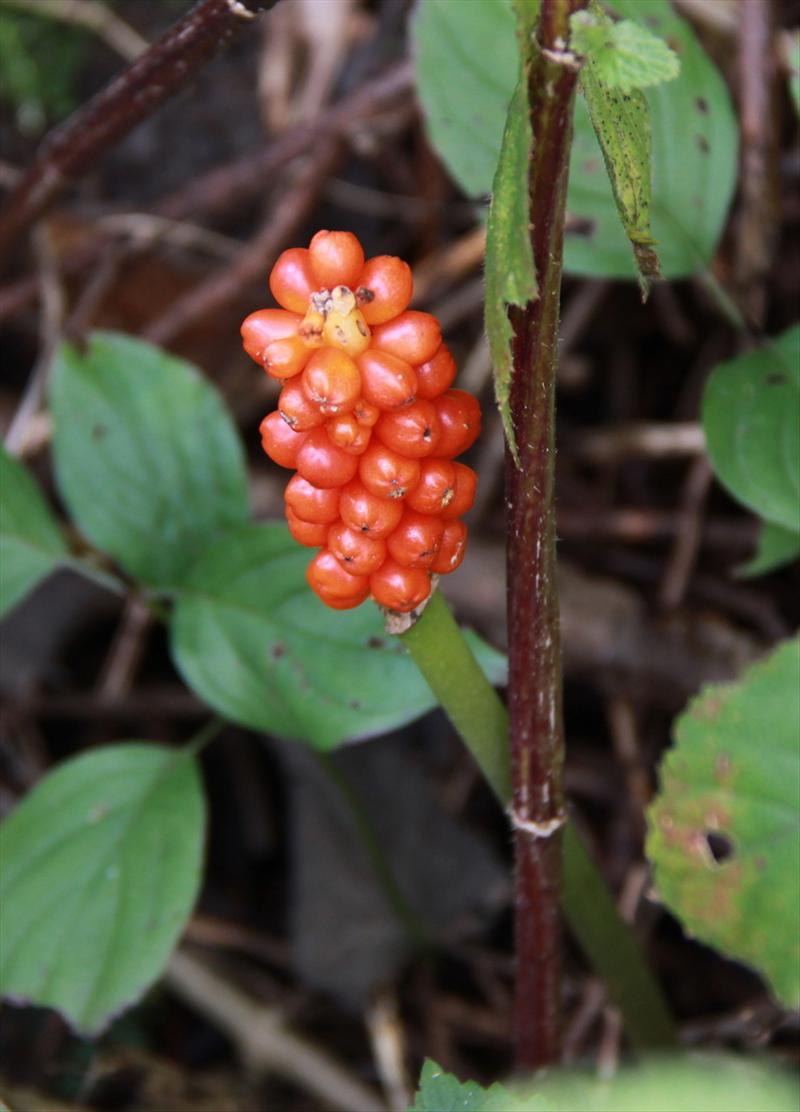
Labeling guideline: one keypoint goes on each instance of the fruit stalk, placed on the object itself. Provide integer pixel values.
(537, 740)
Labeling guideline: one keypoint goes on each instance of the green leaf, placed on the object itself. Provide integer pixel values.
(442, 1092)
(510, 274)
(622, 124)
(725, 828)
(623, 55)
(31, 545)
(99, 870)
(751, 416)
(253, 641)
(776, 546)
(466, 62)
(147, 456)
(696, 1083)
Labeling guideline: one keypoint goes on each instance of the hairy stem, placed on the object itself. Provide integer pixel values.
(73, 147)
(442, 654)
(537, 741)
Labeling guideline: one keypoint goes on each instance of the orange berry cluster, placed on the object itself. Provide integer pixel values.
(367, 417)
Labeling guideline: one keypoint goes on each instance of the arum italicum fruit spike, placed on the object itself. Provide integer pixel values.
(369, 419)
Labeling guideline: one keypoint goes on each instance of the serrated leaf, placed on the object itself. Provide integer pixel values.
(510, 275)
(31, 544)
(776, 546)
(725, 827)
(99, 870)
(443, 1092)
(252, 640)
(751, 417)
(624, 55)
(466, 64)
(147, 457)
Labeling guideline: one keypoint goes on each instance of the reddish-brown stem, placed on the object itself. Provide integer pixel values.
(537, 744)
(135, 94)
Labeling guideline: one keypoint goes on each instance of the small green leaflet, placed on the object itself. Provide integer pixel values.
(776, 546)
(618, 60)
(625, 55)
(31, 545)
(750, 417)
(442, 1092)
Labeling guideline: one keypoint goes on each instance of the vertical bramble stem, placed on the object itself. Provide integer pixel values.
(537, 743)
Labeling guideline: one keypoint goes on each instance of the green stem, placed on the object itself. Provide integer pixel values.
(445, 659)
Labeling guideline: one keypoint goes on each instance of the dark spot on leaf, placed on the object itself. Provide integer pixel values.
(278, 650)
(702, 143)
(701, 104)
(354, 704)
(376, 643)
(776, 379)
(580, 226)
(99, 431)
(720, 846)
(652, 21)
(675, 45)
(591, 165)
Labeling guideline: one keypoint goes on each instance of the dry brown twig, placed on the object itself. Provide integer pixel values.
(263, 1041)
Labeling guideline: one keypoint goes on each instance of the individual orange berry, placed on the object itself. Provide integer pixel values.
(264, 327)
(366, 413)
(367, 513)
(416, 540)
(460, 420)
(295, 408)
(346, 433)
(384, 288)
(333, 584)
(386, 381)
(436, 487)
(386, 473)
(331, 380)
(315, 505)
(452, 548)
(285, 358)
(413, 431)
(306, 532)
(412, 336)
(292, 280)
(466, 482)
(437, 374)
(356, 550)
(321, 463)
(337, 259)
(281, 443)
(399, 588)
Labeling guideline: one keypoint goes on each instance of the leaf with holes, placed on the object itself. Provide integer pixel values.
(510, 274)
(751, 416)
(725, 828)
(253, 641)
(99, 871)
(147, 457)
(466, 64)
(31, 545)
